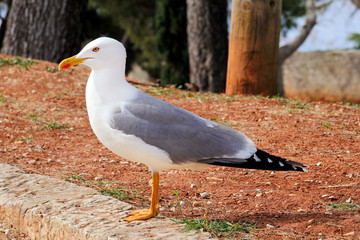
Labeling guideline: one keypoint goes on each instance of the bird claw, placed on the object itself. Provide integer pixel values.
(141, 214)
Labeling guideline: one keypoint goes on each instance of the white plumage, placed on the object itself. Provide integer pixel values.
(144, 129)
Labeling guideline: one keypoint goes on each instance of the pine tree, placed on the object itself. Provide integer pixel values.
(171, 41)
(136, 20)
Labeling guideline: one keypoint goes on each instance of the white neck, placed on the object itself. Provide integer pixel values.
(110, 85)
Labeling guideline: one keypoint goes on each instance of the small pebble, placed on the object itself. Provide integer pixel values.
(301, 210)
(207, 234)
(318, 164)
(98, 178)
(350, 175)
(205, 195)
(349, 200)
(39, 148)
(182, 203)
(349, 234)
(112, 238)
(192, 185)
(269, 226)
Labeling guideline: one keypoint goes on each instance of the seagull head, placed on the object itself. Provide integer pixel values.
(100, 53)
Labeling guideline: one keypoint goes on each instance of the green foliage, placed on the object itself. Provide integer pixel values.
(216, 228)
(48, 123)
(54, 125)
(153, 32)
(171, 41)
(22, 62)
(99, 22)
(176, 192)
(355, 37)
(158, 91)
(325, 124)
(116, 193)
(296, 103)
(25, 139)
(291, 9)
(344, 206)
(75, 179)
(3, 98)
(348, 104)
(52, 69)
(135, 20)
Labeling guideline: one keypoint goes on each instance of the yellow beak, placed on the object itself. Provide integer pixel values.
(69, 62)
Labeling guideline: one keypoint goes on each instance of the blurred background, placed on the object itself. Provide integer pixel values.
(156, 32)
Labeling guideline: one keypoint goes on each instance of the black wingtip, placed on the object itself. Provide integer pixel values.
(259, 160)
(272, 162)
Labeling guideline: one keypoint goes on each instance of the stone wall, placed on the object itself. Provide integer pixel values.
(46, 208)
(330, 76)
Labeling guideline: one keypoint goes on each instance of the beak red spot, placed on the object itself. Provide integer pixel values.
(66, 66)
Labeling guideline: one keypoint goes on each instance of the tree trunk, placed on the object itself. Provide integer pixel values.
(207, 43)
(356, 3)
(49, 29)
(254, 47)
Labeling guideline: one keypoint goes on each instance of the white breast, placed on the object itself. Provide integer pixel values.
(126, 146)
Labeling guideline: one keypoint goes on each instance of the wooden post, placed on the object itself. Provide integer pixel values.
(254, 47)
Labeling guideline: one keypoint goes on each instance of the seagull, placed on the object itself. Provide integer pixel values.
(145, 129)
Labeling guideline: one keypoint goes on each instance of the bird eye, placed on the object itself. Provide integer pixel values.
(95, 49)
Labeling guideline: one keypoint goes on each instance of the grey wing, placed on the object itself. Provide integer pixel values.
(185, 136)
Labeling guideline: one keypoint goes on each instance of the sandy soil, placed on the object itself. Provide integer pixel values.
(38, 101)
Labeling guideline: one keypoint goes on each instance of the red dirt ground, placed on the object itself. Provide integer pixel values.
(282, 205)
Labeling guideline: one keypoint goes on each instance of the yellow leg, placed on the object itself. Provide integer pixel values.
(154, 207)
